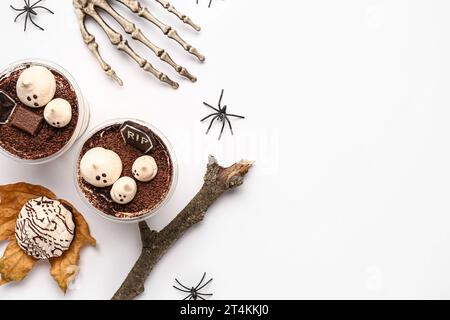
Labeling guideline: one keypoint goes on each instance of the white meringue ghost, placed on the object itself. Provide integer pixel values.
(124, 190)
(36, 86)
(101, 167)
(58, 113)
(145, 168)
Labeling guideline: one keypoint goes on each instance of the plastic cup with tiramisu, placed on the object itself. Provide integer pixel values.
(126, 170)
(42, 111)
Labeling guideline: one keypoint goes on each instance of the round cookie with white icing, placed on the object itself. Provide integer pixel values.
(101, 167)
(124, 190)
(44, 228)
(36, 86)
(58, 113)
(145, 168)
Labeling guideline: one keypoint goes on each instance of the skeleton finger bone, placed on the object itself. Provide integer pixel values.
(137, 34)
(121, 44)
(89, 39)
(180, 15)
(136, 7)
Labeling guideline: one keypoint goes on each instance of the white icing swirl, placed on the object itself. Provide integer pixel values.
(44, 228)
(36, 86)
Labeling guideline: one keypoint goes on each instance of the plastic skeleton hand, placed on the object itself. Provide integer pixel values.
(89, 8)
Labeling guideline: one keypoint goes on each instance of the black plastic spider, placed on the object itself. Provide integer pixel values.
(29, 10)
(194, 293)
(210, 1)
(220, 114)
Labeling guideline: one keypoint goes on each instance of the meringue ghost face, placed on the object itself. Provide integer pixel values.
(101, 167)
(36, 86)
(145, 169)
(58, 113)
(124, 190)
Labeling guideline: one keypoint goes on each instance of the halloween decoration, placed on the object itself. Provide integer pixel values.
(44, 228)
(89, 8)
(155, 244)
(194, 292)
(58, 113)
(31, 219)
(145, 168)
(221, 115)
(124, 190)
(209, 5)
(7, 106)
(30, 10)
(137, 136)
(101, 167)
(36, 86)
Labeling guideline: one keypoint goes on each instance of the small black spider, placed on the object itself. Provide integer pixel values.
(29, 10)
(194, 293)
(210, 1)
(220, 114)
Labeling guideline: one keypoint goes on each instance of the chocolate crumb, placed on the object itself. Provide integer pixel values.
(137, 136)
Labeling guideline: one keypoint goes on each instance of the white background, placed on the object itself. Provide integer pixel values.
(347, 111)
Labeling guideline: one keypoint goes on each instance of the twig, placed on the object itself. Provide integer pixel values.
(155, 244)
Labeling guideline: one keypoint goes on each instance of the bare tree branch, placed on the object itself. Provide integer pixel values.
(155, 244)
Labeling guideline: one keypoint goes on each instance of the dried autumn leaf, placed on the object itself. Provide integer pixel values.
(15, 263)
(65, 268)
(12, 199)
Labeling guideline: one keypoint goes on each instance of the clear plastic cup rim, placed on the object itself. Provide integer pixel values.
(83, 109)
(172, 155)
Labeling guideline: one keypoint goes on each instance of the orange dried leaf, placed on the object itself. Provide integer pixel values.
(12, 199)
(15, 263)
(65, 268)
(7, 228)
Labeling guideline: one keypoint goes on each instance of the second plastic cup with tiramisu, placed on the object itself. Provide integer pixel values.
(126, 170)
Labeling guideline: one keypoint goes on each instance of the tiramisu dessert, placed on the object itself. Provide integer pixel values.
(39, 111)
(125, 170)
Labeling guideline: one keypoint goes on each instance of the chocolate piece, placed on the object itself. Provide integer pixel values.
(7, 106)
(137, 136)
(27, 121)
